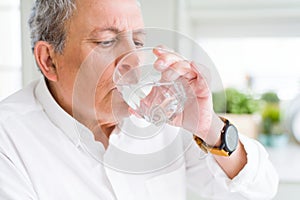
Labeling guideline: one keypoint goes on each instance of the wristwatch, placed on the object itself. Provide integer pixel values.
(229, 140)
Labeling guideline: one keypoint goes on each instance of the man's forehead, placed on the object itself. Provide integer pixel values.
(108, 15)
(107, 2)
(111, 9)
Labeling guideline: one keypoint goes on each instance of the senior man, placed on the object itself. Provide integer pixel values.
(55, 139)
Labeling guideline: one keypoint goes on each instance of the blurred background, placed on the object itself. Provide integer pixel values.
(254, 44)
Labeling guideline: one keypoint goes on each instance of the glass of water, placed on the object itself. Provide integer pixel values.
(143, 88)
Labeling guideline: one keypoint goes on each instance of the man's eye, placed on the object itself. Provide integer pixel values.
(138, 44)
(107, 43)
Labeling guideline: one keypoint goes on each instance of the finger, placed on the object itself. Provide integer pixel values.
(205, 71)
(200, 88)
(177, 70)
(165, 58)
(200, 84)
(160, 49)
(194, 81)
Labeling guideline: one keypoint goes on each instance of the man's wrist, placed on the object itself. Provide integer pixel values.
(214, 134)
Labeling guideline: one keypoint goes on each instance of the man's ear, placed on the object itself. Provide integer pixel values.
(43, 53)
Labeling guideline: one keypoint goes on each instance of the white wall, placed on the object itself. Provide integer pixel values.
(158, 13)
(29, 69)
(167, 14)
(10, 49)
(234, 18)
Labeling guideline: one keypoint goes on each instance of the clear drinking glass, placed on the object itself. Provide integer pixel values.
(144, 89)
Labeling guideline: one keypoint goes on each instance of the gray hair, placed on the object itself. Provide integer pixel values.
(48, 20)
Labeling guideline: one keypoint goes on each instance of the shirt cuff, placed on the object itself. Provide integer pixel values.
(255, 155)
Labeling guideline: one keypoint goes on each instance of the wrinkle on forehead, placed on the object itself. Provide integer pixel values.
(124, 15)
(109, 5)
(124, 23)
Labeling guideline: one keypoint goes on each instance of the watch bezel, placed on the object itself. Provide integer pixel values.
(229, 129)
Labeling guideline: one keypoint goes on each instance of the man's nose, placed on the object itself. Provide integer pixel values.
(127, 63)
(126, 47)
(129, 58)
(128, 67)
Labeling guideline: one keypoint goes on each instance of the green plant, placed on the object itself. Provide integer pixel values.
(270, 118)
(270, 114)
(234, 101)
(270, 97)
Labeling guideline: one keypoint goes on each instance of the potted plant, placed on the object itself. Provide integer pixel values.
(240, 108)
(272, 131)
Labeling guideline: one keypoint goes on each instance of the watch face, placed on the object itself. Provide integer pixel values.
(231, 138)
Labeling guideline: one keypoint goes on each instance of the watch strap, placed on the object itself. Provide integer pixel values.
(208, 148)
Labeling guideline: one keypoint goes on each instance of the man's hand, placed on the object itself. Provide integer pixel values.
(198, 116)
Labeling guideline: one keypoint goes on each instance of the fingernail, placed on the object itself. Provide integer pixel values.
(159, 50)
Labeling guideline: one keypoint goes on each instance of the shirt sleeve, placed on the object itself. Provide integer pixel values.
(258, 179)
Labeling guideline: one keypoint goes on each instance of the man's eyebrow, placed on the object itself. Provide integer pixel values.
(116, 30)
(104, 29)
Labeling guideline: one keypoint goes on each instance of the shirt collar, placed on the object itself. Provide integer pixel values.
(56, 114)
(79, 134)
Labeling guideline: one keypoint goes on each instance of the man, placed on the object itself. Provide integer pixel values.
(58, 136)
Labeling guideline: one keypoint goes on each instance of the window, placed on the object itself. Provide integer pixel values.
(10, 48)
(252, 42)
(266, 63)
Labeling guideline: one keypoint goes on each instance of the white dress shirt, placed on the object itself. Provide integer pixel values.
(46, 154)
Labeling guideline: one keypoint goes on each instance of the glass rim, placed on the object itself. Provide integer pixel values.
(150, 83)
(128, 53)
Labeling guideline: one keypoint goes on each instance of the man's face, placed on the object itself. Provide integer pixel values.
(98, 33)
